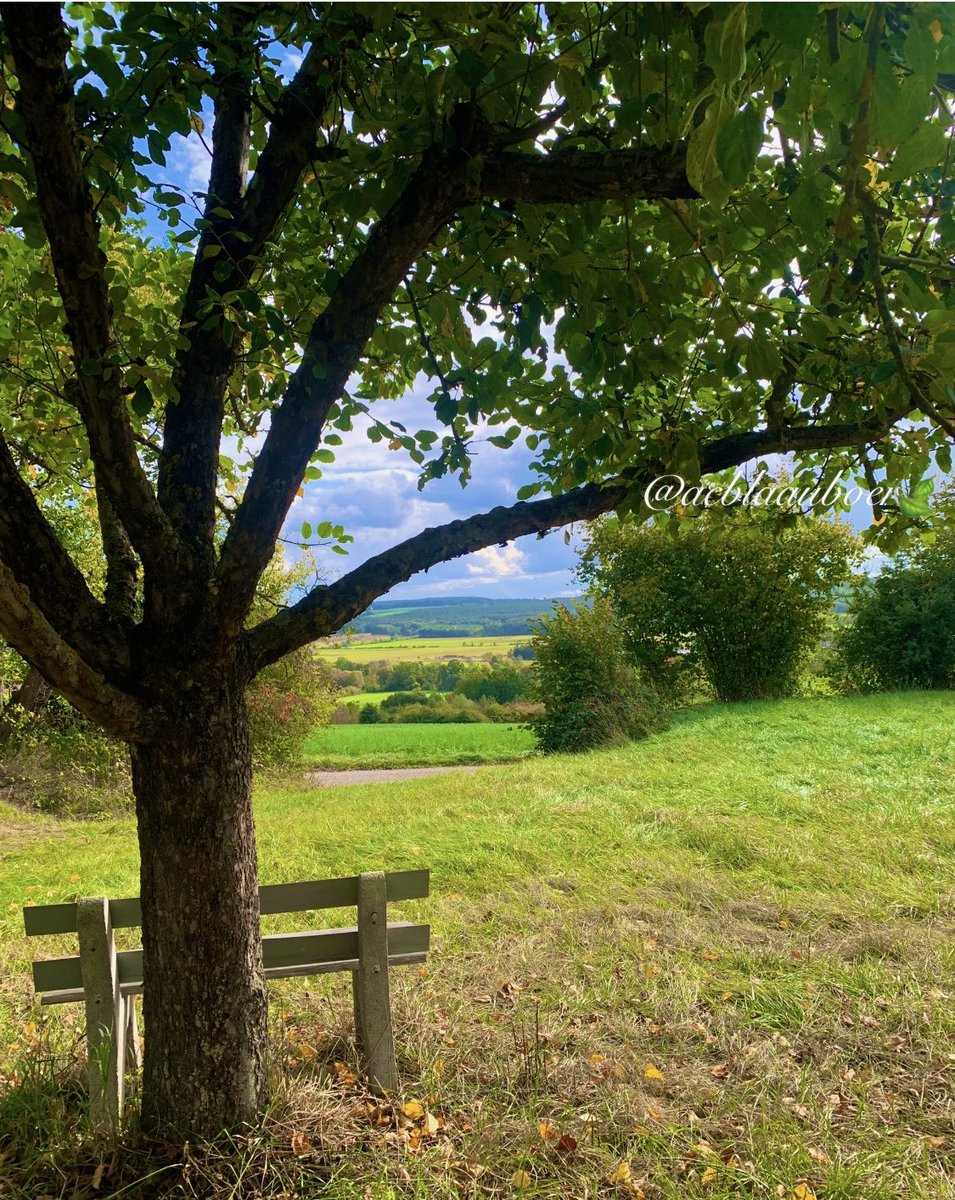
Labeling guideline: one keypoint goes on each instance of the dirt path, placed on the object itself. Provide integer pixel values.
(382, 775)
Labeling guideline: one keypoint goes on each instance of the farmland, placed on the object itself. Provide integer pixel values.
(419, 649)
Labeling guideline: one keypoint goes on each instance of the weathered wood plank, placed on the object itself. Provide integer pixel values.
(105, 1027)
(373, 1003)
(41, 919)
(74, 995)
(280, 951)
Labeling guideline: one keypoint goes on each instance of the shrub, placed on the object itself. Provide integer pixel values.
(370, 715)
(591, 695)
(736, 600)
(286, 701)
(900, 630)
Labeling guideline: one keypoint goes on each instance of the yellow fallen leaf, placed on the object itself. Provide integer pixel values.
(802, 1191)
(652, 1072)
(306, 1051)
(550, 1133)
(620, 1174)
(596, 1058)
(935, 29)
(413, 1109)
(521, 1179)
(708, 1176)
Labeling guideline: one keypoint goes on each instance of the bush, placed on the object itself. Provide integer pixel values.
(900, 630)
(591, 695)
(736, 600)
(370, 715)
(286, 701)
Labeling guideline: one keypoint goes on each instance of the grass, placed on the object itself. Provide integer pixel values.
(422, 649)
(366, 698)
(385, 745)
(717, 964)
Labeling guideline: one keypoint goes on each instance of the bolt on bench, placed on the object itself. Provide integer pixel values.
(109, 980)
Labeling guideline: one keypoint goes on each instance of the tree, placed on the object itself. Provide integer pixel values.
(737, 598)
(640, 237)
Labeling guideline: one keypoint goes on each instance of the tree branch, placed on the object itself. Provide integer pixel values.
(445, 181)
(576, 176)
(39, 43)
(332, 352)
(24, 626)
(121, 562)
(330, 606)
(189, 460)
(34, 556)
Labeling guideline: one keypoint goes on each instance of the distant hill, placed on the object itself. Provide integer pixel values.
(450, 616)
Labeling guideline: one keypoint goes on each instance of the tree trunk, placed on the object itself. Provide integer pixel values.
(28, 698)
(205, 1005)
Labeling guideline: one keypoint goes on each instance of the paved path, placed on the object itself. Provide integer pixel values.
(382, 775)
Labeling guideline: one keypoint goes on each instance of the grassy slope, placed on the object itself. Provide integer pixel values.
(756, 906)
(387, 745)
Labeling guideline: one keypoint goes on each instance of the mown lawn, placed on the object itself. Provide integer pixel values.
(386, 745)
(719, 963)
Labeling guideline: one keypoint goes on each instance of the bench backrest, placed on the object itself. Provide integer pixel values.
(284, 954)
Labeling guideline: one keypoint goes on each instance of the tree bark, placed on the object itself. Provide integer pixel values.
(28, 698)
(205, 1005)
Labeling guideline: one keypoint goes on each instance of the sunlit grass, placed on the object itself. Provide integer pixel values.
(758, 904)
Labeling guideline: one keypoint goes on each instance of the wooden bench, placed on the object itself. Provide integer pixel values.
(108, 980)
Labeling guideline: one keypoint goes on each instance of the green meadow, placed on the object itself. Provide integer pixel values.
(357, 746)
(719, 963)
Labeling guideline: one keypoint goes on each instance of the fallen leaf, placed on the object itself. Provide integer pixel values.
(566, 1144)
(550, 1133)
(521, 1179)
(652, 1072)
(935, 29)
(97, 1181)
(708, 1176)
(413, 1109)
(300, 1144)
(596, 1058)
(721, 1071)
(802, 1191)
(621, 1174)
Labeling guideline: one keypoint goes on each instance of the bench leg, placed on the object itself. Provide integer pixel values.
(372, 995)
(134, 1058)
(105, 1026)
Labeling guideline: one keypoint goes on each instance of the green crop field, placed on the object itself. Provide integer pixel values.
(351, 746)
(421, 649)
(715, 965)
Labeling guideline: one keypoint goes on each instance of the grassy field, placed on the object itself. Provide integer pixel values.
(422, 649)
(366, 698)
(717, 964)
(351, 746)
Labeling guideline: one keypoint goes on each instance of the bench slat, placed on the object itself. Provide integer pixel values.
(274, 898)
(73, 995)
(280, 952)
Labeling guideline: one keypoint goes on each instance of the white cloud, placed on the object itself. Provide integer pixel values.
(497, 562)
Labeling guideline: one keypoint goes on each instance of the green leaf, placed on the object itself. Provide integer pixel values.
(470, 67)
(306, 531)
(883, 371)
(702, 167)
(731, 58)
(739, 144)
(142, 400)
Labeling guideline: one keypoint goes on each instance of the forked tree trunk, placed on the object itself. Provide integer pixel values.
(205, 1007)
